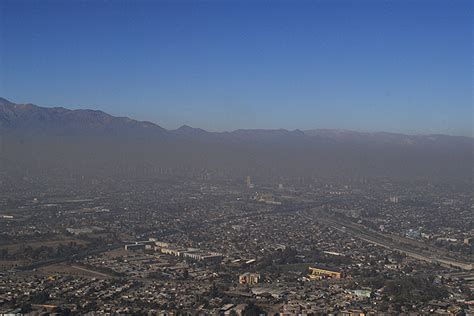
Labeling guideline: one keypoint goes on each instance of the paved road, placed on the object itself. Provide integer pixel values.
(383, 241)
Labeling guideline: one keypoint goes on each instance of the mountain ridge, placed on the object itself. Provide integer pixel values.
(36, 140)
(31, 117)
(14, 116)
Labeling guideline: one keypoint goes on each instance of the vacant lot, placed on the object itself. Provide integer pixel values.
(38, 243)
(10, 264)
(75, 270)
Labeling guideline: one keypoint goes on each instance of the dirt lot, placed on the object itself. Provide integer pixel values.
(73, 270)
(121, 252)
(36, 243)
(9, 264)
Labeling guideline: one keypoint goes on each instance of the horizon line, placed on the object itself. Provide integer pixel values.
(184, 125)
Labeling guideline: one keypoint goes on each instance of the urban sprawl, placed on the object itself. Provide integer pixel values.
(207, 243)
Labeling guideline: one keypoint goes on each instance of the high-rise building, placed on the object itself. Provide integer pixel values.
(394, 199)
(249, 183)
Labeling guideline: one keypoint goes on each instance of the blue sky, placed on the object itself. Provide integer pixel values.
(398, 66)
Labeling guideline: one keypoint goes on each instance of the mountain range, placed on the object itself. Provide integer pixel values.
(35, 137)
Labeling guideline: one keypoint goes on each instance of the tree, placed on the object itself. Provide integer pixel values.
(253, 310)
(25, 308)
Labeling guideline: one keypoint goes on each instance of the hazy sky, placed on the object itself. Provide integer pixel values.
(400, 66)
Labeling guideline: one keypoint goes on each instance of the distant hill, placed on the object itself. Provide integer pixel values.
(37, 138)
(58, 120)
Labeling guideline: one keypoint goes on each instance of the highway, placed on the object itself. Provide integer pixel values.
(384, 241)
